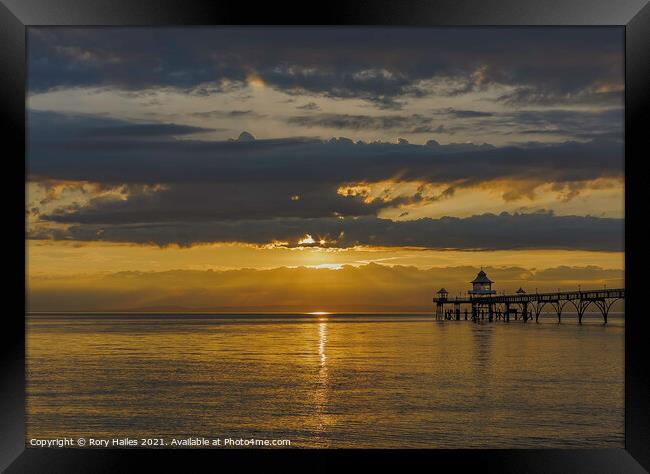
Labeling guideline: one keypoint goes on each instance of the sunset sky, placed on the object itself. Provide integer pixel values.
(319, 169)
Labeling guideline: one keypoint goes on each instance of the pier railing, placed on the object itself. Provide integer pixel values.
(503, 306)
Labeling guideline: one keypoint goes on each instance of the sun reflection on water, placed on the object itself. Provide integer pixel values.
(322, 340)
(321, 395)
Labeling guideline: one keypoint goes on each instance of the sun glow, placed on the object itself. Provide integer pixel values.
(254, 80)
(307, 239)
(329, 266)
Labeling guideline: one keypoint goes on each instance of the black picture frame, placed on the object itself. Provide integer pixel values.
(633, 15)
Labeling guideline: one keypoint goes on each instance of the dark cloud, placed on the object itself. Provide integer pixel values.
(227, 114)
(381, 65)
(361, 122)
(59, 148)
(564, 123)
(451, 112)
(196, 202)
(542, 95)
(571, 124)
(63, 128)
(480, 232)
(141, 131)
(309, 106)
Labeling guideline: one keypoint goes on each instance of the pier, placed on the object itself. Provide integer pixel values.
(485, 305)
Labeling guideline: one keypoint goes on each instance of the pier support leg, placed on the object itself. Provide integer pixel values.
(604, 307)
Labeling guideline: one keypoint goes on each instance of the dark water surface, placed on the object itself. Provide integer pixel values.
(328, 380)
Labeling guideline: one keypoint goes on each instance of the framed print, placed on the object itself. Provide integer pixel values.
(396, 230)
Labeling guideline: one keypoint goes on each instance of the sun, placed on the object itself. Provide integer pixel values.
(319, 313)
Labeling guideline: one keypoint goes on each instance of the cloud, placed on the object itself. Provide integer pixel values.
(366, 288)
(565, 273)
(480, 232)
(381, 65)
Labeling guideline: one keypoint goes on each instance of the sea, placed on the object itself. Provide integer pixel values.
(327, 380)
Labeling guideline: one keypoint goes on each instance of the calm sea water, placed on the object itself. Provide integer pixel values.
(328, 381)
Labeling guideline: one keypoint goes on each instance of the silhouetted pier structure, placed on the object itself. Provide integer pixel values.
(485, 304)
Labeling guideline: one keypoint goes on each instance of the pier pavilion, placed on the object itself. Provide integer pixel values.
(486, 304)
